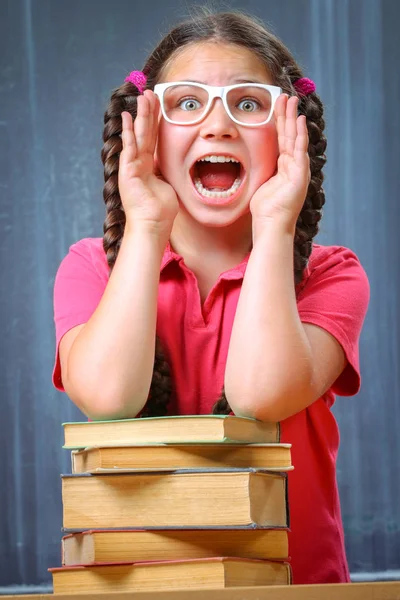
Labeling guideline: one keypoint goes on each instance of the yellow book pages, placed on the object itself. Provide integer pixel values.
(178, 499)
(182, 456)
(217, 573)
(180, 429)
(112, 546)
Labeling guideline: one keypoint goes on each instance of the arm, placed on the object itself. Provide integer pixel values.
(107, 364)
(276, 365)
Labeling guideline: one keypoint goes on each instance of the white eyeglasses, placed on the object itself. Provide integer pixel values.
(186, 103)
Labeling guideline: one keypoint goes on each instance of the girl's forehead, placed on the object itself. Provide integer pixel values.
(210, 60)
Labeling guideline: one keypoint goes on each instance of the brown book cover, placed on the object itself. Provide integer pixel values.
(221, 572)
(184, 498)
(129, 545)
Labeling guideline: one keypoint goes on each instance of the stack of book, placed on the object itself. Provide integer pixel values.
(174, 502)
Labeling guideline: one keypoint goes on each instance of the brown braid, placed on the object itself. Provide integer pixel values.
(124, 99)
(232, 28)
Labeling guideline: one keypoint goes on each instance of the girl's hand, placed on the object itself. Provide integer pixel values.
(145, 196)
(282, 196)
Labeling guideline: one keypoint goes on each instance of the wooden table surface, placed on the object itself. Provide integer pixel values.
(388, 590)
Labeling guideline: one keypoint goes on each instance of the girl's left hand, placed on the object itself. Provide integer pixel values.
(282, 196)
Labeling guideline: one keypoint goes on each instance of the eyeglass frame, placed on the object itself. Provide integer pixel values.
(216, 92)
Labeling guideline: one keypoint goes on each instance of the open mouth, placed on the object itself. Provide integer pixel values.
(217, 176)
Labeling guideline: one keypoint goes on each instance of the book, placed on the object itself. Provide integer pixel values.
(181, 456)
(216, 573)
(117, 546)
(198, 498)
(180, 429)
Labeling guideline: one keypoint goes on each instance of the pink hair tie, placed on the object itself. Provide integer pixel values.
(138, 78)
(304, 86)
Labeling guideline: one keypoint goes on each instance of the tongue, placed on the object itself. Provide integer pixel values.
(219, 176)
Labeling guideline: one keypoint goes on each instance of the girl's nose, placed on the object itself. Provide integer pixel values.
(218, 123)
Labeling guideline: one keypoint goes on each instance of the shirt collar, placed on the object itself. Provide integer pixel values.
(235, 273)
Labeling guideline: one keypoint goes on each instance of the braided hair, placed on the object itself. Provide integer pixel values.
(242, 30)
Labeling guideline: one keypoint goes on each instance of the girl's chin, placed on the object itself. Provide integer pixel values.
(208, 215)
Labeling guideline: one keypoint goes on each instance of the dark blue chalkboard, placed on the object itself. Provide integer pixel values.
(58, 63)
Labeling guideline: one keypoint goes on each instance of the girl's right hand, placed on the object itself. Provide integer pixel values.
(146, 197)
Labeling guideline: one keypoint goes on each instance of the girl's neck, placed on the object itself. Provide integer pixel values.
(220, 245)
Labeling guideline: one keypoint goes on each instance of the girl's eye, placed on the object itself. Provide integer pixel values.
(248, 105)
(189, 104)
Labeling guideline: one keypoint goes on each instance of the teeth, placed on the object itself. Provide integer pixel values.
(213, 158)
(209, 194)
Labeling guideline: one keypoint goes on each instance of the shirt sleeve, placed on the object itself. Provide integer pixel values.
(335, 297)
(79, 285)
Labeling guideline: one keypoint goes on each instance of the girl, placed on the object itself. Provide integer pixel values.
(206, 293)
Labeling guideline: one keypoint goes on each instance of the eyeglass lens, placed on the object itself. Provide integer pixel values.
(247, 104)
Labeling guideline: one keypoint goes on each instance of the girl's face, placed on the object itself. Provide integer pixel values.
(180, 146)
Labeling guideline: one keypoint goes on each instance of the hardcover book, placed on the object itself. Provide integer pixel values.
(180, 429)
(187, 498)
(170, 457)
(129, 545)
(214, 573)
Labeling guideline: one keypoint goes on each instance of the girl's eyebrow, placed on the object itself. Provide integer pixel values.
(256, 80)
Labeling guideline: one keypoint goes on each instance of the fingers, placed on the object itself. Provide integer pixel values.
(140, 136)
(301, 144)
(141, 125)
(146, 122)
(280, 112)
(291, 129)
(129, 149)
(155, 111)
(291, 124)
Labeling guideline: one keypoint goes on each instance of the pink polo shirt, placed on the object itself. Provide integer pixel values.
(334, 295)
